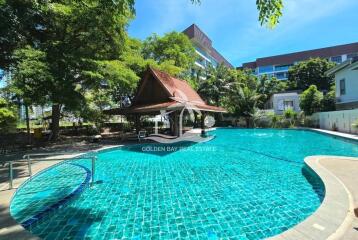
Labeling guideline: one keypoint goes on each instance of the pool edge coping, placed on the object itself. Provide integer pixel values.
(334, 216)
(342, 135)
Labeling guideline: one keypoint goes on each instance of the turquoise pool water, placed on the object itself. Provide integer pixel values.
(244, 184)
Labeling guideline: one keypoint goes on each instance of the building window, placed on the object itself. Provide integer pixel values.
(202, 52)
(342, 86)
(288, 104)
(352, 55)
(281, 75)
(336, 59)
(282, 67)
(265, 69)
(214, 62)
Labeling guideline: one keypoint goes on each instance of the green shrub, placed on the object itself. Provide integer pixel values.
(329, 100)
(262, 119)
(311, 100)
(8, 117)
(290, 117)
(275, 121)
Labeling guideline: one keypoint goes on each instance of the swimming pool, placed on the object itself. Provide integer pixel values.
(244, 184)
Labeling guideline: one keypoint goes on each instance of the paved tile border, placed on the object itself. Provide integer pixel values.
(333, 218)
(336, 134)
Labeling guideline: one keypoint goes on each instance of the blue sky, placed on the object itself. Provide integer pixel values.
(233, 27)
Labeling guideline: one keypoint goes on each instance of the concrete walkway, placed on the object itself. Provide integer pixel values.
(9, 228)
(347, 172)
(337, 134)
(335, 218)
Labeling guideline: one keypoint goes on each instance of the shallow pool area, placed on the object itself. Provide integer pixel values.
(243, 184)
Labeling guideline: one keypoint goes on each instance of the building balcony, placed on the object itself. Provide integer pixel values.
(199, 65)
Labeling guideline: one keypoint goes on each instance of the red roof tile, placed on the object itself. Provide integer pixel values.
(178, 88)
(179, 91)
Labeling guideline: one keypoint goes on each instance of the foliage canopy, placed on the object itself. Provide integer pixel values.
(310, 100)
(311, 72)
(7, 116)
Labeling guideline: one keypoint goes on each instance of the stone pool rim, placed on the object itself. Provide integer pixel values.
(335, 214)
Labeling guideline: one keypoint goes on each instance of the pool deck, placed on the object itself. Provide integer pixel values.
(337, 134)
(9, 228)
(334, 219)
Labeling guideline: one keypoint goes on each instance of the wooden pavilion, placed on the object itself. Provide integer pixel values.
(159, 92)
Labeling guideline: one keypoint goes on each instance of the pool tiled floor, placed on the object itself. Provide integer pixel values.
(253, 189)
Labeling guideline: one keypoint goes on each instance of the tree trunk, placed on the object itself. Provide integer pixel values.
(55, 121)
(27, 123)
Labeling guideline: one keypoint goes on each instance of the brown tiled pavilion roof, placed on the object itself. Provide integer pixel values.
(178, 93)
(178, 88)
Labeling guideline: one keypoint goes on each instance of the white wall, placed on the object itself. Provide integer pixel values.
(351, 79)
(343, 120)
(278, 100)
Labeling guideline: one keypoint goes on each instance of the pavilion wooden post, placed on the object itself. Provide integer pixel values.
(195, 120)
(175, 124)
(137, 123)
(202, 124)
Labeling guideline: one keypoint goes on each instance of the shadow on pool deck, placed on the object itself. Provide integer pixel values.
(78, 227)
(20, 168)
(9, 228)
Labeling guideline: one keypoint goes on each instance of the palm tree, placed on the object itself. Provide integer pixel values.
(215, 85)
(242, 101)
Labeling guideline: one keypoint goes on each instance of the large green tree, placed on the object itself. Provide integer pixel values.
(310, 100)
(311, 72)
(118, 79)
(242, 99)
(7, 116)
(268, 86)
(242, 102)
(74, 35)
(30, 78)
(173, 48)
(329, 100)
(216, 84)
